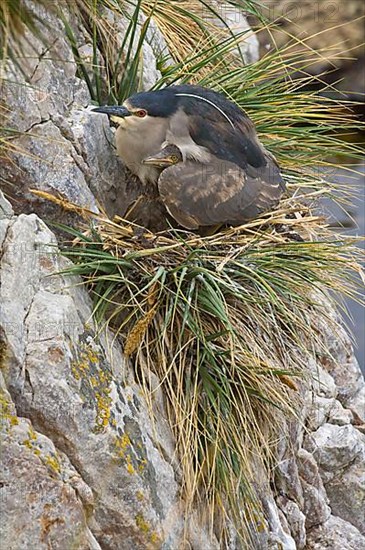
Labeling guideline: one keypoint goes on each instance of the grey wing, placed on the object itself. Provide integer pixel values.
(197, 194)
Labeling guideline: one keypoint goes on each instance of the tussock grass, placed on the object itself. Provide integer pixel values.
(226, 324)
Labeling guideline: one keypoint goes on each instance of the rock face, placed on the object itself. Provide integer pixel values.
(79, 430)
(331, 28)
(83, 465)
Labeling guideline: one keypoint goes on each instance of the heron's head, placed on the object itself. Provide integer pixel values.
(142, 109)
(168, 156)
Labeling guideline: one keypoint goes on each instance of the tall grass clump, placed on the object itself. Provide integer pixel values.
(227, 323)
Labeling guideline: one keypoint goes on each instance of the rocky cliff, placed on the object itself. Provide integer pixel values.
(83, 466)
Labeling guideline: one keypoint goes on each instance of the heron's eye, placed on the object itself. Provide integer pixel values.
(141, 113)
(174, 158)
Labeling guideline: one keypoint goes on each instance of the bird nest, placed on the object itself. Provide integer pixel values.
(225, 323)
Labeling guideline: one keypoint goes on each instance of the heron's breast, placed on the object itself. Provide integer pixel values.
(137, 139)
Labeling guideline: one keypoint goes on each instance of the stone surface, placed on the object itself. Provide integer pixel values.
(58, 146)
(346, 493)
(334, 447)
(323, 384)
(296, 520)
(339, 362)
(278, 537)
(235, 18)
(356, 404)
(339, 415)
(60, 379)
(339, 452)
(315, 507)
(319, 410)
(335, 29)
(41, 492)
(287, 480)
(335, 534)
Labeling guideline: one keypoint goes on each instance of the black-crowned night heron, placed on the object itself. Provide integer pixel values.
(222, 174)
(198, 195)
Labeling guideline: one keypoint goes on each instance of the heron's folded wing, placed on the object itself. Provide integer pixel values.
(197, 194)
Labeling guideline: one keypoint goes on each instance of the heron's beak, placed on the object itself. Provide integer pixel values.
(160, 162)
(117, 111)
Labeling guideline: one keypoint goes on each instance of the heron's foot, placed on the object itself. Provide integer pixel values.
(210, 230)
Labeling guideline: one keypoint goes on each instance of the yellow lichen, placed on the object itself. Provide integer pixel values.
(53, 462)
(142, 464)
(123, 447)
(130, 468)
(103, 409)
(3, 354)
(6, 414)
(155, 539)
(93, 381)
(31, 433)
(142, 524)
(96, 382)
(140, 496)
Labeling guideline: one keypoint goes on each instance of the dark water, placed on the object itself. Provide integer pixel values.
(352, 222)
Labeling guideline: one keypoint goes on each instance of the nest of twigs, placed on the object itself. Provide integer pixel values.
(226, 322)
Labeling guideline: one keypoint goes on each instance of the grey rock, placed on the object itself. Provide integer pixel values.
(105, 172)
(39, 496)
(315, 507)
(338, 358)
(234, 18)
(58, 173)
(287, 480)
(339, 415)
(335, 534)
(60, 148)
(278, 538)
(295, 519)
(319, 410)
(346, 493)
(42, 157)
(6, 210)
(340, 454)
(323, 384)
(61, 379)
(308, 468)
(334, 447)
(322, 410)
(356, 404)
